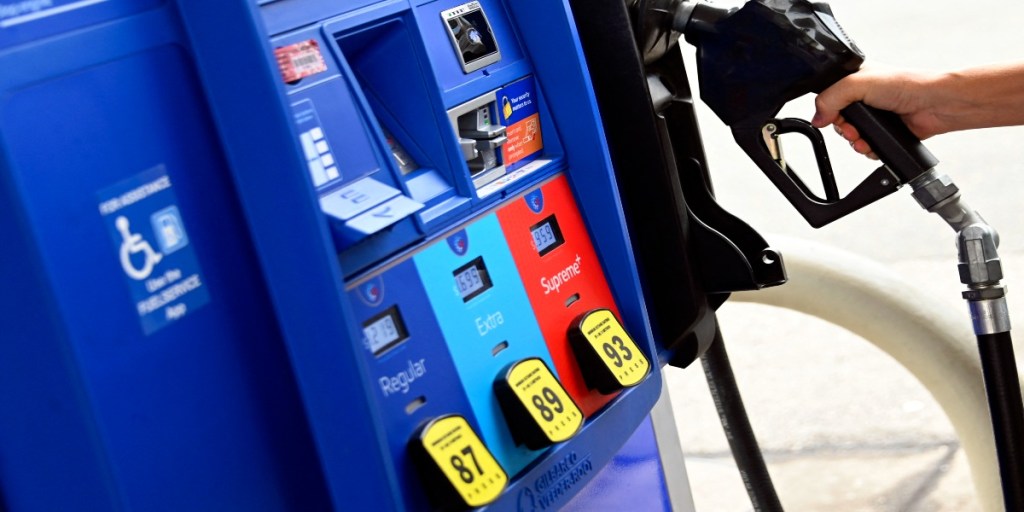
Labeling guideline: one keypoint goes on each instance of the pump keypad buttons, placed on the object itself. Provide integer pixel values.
(456, 465)
(609, 359)
(538, 409)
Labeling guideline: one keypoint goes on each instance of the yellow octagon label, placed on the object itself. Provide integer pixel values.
(617, 350)
(549, 404)
(460, 454)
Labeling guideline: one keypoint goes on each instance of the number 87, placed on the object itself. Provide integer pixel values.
(464, 473)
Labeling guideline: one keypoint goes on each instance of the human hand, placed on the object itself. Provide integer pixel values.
(914, 96)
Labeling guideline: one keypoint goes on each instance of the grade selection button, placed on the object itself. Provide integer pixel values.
(537, 408)
(609, 359)
(457, 468)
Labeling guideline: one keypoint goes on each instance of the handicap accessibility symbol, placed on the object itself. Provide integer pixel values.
(131, 244)
(148, 237)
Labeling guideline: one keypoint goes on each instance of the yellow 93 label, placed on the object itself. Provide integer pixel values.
(617, 350)
(549, 404)
(464, 460)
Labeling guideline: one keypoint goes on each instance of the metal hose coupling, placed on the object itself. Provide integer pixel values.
(978, 263)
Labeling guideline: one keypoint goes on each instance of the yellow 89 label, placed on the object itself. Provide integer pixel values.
(616, 349)
(464, 460)
(549, 404)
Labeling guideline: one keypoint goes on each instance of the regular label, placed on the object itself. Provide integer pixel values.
(299, 60)
(616, 349)
(152, 248)
(550, 406)
(464, 460)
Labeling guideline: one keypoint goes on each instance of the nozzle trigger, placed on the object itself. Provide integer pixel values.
(777, 127)
(759, 138)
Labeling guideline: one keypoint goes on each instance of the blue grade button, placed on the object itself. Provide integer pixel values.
(382, 216)
(349, 201)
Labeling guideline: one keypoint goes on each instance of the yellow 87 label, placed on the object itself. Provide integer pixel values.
(616, 349)
(549, 404)
(464, 460)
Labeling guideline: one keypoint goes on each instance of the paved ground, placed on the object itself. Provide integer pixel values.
(845, 427)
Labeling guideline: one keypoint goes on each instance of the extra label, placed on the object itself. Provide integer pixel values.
(466, 463)
(152, 248)
(550, 406)
(615, 348)
(299, 60)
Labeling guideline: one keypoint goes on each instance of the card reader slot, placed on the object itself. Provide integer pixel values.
(481, 137)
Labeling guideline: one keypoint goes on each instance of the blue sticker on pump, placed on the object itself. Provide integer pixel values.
(521, 117)
(152, 248)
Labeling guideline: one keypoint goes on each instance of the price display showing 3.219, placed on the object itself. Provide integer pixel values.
(384, 331)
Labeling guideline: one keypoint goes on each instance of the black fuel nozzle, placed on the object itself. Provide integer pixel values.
(754, 59)
(764, 54)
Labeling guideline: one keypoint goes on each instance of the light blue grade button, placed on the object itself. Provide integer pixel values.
(349, 201)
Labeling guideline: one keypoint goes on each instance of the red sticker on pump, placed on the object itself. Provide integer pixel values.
(299, 60)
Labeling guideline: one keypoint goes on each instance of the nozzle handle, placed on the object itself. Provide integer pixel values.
(896, 146)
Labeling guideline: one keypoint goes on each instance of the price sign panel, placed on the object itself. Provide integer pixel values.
(609, 359)
(539, 410)
(451, 451)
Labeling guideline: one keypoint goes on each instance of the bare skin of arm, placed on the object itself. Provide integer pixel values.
(929, 103)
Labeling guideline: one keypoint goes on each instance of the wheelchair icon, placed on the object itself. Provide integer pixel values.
(132, 244)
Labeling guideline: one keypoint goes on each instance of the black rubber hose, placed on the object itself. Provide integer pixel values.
(1002, 385)
(736, 425)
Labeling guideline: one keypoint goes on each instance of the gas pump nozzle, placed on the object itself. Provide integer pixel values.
(754, 59)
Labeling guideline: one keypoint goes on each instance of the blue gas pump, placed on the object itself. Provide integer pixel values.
(303, 255)
(478, 232)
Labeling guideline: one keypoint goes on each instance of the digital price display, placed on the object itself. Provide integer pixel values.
(384, 330)
(546, 235)
(472, 279)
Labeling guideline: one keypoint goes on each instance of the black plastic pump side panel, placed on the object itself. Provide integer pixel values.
(728, 253)
(690, 251)
(651, 195)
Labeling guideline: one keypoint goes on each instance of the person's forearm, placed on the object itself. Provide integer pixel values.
(982, 97)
